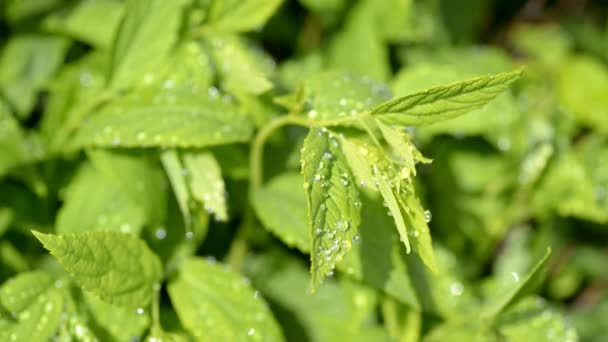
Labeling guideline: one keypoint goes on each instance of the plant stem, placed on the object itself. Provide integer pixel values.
(257, 147)
(156, 307)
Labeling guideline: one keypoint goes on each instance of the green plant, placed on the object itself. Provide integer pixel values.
(181, 180)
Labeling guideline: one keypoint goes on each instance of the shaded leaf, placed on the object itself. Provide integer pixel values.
(281, 207)
(240, 15)
(216, 304)
(338, 310)
(27, 62)
(93, 21)
(532, 320)
(519, 288)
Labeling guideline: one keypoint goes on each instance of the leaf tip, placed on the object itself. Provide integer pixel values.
(43, 238)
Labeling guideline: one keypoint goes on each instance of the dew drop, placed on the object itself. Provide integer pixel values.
(342, 225)
(213, 92)
(515, 276)
(160, 233)
(189, 235)
(456, 289)
(140, 311)
(125, 228)
(250, 332)
(428, 216)
(356, 239)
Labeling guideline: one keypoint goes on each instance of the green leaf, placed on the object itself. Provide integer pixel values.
(93, 21)
(216, 304)
(206, 182)
(587, 101)
(146, 35)
(121, 324)
(242, 67)
(118, 268)
(35, 306)
(519, 288)
(93, 202)
(574, 184)
(281, 207)
(338, 310)
(393, 179)
(395, 209)
(360, 29)
(75, 86)
(533, 320)
(138, 176)
(167, 118)
(445, 102)
(11, 141)
(27, 62)
(334, 207)
(176, 173)
(16, 10)
(335, 94)
(240, 15)
(496, 121)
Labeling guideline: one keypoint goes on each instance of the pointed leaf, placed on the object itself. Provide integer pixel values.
(445, 102)
(145, 37)
(27, 62)
(118, 268)
(281, 206)
(94, 22)
(216, 304)
(166, 117)
(521, 288)
(334, 206)
(240, 15)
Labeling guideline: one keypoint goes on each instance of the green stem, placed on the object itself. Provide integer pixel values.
(257, 147)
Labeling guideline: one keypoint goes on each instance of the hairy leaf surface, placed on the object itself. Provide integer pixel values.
(118, 268)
